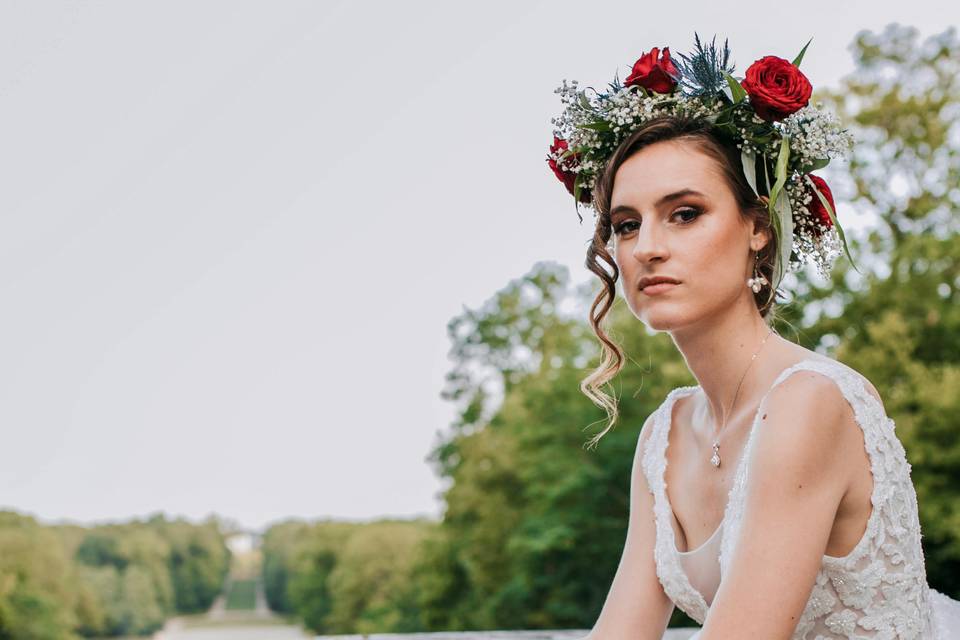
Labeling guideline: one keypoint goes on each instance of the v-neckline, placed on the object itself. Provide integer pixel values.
(738, 467)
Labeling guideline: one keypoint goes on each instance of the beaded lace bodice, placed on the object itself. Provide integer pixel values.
(878, 590)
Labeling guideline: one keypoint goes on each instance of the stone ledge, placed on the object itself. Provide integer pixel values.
(558, 634)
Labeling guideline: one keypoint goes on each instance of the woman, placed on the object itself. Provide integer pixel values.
(773, 499)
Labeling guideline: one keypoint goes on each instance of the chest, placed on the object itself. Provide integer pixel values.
(697, 490)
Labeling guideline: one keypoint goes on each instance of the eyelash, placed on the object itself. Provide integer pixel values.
(618, 230)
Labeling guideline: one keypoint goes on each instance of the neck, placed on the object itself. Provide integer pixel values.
(719, 352)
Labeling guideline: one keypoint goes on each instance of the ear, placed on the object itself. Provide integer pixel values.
(760, 234)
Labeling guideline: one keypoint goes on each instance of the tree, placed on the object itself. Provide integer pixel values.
(900, 324)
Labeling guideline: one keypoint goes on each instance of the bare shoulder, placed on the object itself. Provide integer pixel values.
(867, 384)
(808, 394)
(807, 420)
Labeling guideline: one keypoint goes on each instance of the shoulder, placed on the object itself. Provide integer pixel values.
(809, 392)
(844, 377)
(807, 425)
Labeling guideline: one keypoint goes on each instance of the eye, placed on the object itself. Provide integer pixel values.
(627, 226)
(693, 212)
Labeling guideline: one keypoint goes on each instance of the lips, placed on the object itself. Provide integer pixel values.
(658, 287)
(651, 281)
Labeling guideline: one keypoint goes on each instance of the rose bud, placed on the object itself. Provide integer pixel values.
(565, 176)
(815, 206)
(659, 75)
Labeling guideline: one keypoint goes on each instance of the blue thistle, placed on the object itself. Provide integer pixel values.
(702, 73)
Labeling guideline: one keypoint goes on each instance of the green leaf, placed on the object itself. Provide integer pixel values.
(796, 61)
(818, 163)
(577, 186)
(784, 217)
(735, 88)
(766, 174)
(774, 218)
(599, 125)
(781, 171)
(584, 102)
(573, 151)
(749, 162)
(833, 219)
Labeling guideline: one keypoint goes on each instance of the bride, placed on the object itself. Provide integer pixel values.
(773, 499)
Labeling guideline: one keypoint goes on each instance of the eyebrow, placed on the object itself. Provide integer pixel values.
(663, 200)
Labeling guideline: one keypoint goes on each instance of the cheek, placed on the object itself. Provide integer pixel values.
(716, 247)
(621, 255)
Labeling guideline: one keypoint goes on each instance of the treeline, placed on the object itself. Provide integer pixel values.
(66, 581)
(342, 577)
(534, 523)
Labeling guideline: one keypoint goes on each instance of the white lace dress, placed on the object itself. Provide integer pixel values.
(878, 591)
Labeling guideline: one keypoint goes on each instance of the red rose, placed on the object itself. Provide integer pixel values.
(816, 208)
(565, 176)
(653, 74)
(776, 88)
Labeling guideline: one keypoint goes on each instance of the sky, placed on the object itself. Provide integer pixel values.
(232, 233)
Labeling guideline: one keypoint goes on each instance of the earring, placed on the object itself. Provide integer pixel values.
(757, 281)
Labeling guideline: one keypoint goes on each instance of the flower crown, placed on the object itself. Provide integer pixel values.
(766, 114)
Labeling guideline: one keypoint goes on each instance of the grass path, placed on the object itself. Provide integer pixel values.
(240, 612)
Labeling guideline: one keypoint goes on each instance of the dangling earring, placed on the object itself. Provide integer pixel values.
(757, 281)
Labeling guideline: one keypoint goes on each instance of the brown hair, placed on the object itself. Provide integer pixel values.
(752, 208)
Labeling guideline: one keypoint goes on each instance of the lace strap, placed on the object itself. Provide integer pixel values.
(672, 577)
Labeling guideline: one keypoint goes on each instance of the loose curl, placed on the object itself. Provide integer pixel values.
(600, 262)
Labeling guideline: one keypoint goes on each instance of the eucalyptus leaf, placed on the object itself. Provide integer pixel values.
(766, 180)
(781, 169)
(577, 186)
(774, 218)
(749, 162)
(784, 218)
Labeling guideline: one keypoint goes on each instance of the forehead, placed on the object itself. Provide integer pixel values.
(665, 167)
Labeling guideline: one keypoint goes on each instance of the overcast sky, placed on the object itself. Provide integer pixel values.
(232, 233)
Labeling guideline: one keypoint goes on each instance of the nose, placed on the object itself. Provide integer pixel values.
(650, 244)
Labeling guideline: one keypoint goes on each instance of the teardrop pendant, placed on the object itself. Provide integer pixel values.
(715, 460)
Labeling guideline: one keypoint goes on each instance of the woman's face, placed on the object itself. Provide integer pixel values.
(673, 215)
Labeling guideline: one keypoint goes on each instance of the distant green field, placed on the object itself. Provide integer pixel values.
(242, 595)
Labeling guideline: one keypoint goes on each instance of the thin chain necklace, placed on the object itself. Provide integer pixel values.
(715, 460)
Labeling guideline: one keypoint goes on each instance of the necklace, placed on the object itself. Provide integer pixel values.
(715, 459)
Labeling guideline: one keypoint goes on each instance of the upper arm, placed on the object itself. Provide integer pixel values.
(797, 478)
(636, 606)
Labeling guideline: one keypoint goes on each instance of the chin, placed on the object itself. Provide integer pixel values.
(662, 314)
(663, 317)
(664, 322)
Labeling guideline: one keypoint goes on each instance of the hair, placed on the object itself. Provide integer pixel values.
(752, 209)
